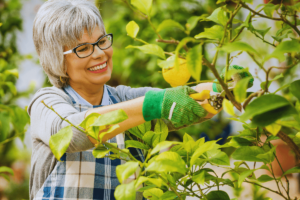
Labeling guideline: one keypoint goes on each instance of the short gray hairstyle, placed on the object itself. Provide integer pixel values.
(60, 23)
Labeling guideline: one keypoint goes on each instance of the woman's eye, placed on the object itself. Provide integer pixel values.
(102, 42)
(82, 49)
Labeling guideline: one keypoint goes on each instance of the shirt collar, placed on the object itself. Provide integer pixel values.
(79, 100)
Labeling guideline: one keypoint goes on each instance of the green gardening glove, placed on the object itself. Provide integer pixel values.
(234, 79)
(173, 104)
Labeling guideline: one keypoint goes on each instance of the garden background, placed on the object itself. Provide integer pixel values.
(132, 68)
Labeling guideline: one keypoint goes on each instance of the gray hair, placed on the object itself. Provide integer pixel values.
(60, 23)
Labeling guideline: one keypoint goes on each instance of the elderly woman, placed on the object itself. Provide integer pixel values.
(76, 54)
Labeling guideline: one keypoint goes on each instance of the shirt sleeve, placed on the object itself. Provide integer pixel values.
(45, 123)
(125, 93)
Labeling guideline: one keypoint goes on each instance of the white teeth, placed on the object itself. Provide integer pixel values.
(98, 67)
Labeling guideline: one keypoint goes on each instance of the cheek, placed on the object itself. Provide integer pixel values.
(74, 65)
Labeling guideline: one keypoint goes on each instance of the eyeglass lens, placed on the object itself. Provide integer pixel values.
(87, 49)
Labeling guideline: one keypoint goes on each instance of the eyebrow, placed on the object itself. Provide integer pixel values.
(88, 42)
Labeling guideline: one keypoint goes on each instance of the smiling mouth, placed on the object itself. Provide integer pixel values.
(99, 67)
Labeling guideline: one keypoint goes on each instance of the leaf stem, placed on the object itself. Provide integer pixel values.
(148, 18)
(174, 190)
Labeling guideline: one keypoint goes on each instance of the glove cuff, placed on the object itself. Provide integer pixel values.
(152, 105)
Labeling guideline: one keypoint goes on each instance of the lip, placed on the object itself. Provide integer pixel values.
(98, 64)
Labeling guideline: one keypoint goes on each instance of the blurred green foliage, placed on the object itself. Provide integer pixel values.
(13, 119)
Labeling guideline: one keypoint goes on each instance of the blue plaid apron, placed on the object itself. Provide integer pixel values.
(80, 175)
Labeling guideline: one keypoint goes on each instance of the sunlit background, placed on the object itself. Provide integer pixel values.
(132, 68)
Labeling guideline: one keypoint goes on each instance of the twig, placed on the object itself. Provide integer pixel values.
(172, 42)
(255, 94)
(283, 136)
(266, 188)
(148, 18)
(174, 190)
(259, 64)
(221, 82)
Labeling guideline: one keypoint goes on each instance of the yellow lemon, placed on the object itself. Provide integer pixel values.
(177, 77)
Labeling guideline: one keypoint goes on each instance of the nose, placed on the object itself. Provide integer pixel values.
(98, 52)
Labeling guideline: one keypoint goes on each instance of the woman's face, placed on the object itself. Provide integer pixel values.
(83, 72)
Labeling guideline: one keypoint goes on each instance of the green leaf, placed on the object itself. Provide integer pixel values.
(19, 119)
(126, 170)
(181, 44)
(272, 137)
(150, 49)
(148, 137)
(100, 151)
(283, 36)
(294, 88)
(60, 141)
(272, 116)
(89, 120)
(172, 156)
(291, 171)
(270, 8)
(4, 169)
(161, 166)
(262, 104)
(199, 178)
(240, 90)
(132, 29)
(125, 191)
(238, 142)
(295, 124)
(265, 178)
(161, 132)
(110, 129)
(153, 194)
(135, 144)
(238, 46)
(11, 87)
(169, 195)
(282, 48)
(217, 195)
(215, 32)
(263, 84)
(166, 64)
(192, 22)
(136, 132)
(194, 62)
(273, 128)
(145, 127)
(163, 145)
(113, 117)
(169, 23)
(247, 153)
(244, 175)
(228, 107)
(157, 181)
(268, 157)
(202, 149)
(13, 72)
(217, 157)
(219, 16)
(143, 5)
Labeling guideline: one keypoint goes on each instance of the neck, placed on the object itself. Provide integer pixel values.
(93, 95)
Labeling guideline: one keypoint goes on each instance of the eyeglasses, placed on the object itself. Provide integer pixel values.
(85, 50)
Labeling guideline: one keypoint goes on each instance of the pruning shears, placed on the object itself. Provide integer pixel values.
(215, 101)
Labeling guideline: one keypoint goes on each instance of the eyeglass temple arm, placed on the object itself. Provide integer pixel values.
(67, 52)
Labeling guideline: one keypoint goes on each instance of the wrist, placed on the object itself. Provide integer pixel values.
(152, 105)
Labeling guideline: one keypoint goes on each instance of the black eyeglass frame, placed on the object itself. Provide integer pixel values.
(95, 43)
